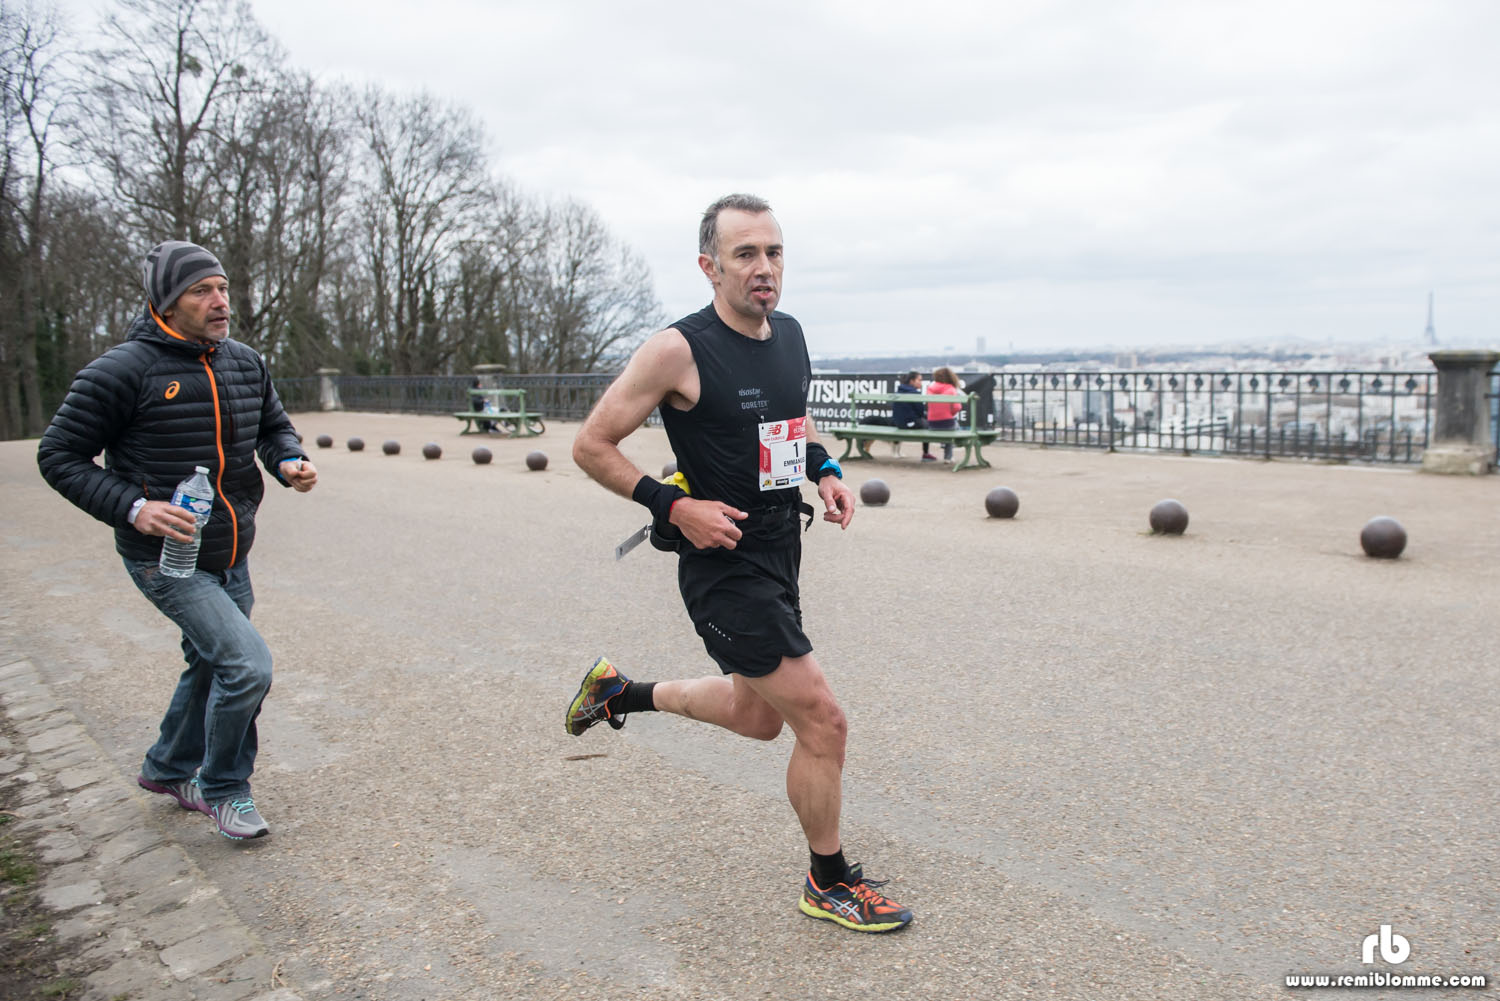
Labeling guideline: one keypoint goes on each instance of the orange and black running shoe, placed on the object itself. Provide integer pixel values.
(855, 904)
(591, 705)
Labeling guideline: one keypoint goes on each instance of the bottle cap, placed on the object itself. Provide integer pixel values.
(201, 469)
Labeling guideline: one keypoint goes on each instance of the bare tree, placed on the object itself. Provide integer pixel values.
(91, 284)
(10, 223)
(170, 71)
(590, 297)
(34, 99)
(491, 284)
(366, 230)
(279, 176)
(424, 185)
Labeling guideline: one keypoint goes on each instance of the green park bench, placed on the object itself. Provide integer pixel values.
(857, 435)
(509, 415)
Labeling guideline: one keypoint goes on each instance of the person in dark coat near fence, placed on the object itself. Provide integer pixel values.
(179, 393)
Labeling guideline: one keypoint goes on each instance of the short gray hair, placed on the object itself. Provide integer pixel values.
(708, 229)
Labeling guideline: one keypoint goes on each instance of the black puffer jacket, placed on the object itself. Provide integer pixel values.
(158, 405)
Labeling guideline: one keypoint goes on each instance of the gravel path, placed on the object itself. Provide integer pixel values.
(1096, 763)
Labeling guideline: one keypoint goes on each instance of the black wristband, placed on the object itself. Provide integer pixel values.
(657, 497)
(817, 455)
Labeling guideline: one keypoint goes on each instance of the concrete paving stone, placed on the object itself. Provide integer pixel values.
(79, 777)
(70, 896)
(115, 944)
(43, 712)
(204, 952)
(28, 728)
(61, 846)
(168, 928)
(74, 756)
(151, 868)
(134, 977)
(73, 872)
(168, 894)
(16, 669)
(104, 794)
(36, 802)
(103, 821)
(128, 843)
(89, 923)
(24, 690)
(66, 735)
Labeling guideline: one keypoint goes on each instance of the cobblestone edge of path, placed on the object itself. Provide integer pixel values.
(139, 917)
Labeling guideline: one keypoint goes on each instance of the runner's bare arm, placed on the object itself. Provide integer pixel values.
(660, 372)
(660, 369)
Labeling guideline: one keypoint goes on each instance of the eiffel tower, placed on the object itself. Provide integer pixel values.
(1430, 334)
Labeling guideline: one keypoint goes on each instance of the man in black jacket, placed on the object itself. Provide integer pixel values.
(180, 393)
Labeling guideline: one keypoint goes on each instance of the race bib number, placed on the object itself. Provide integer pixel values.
(783, 453)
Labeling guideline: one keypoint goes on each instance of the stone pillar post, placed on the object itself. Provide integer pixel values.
(328, 389)
(489, 375)
(1461, 441)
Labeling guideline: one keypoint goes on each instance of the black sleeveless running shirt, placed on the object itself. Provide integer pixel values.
(743, 383)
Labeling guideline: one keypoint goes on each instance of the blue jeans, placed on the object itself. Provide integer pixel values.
(210, 726)
(947, 425)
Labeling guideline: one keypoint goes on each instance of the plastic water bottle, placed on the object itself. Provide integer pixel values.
(180, 559)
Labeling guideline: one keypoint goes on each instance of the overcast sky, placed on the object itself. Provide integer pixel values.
(1040, 174)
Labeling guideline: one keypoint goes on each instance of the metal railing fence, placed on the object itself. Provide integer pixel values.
(567, 397)
(1494, 398)
(1341, 416)
(1331, 415)
(560, 396)
(298, 394)
(1365, 416)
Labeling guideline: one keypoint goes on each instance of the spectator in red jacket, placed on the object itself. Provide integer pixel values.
(941, 416)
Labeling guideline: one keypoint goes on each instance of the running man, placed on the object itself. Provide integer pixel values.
(731, 381)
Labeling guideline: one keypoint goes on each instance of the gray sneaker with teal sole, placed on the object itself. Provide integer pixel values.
(239, 819)
(186, 793)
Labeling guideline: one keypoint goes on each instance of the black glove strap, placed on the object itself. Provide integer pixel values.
(817, 456)
(657, 497)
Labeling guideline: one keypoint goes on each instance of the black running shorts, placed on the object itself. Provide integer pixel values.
(745, 605)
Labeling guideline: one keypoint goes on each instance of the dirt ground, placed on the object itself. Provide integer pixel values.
(1095, 762)
(34, 965)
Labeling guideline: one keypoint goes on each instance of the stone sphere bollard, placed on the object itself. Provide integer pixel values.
(432, 450)
(481, 456)
(1002, 502)
(391, 447)
(536, 461)
(325, 441)
(1169, 517)
(669, 470)
(1383, 538)
(874, 492)
(356, 444)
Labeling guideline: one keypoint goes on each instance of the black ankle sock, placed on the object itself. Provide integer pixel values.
(636, 698)
(829, 869)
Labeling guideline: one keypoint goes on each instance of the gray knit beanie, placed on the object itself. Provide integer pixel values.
(172, 267)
